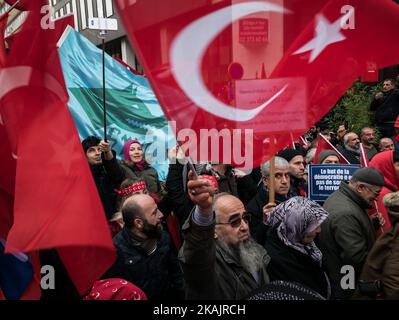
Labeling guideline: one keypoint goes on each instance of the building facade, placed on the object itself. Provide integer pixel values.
(116, 42)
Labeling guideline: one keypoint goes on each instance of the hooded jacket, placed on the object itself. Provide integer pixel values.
(383, 162)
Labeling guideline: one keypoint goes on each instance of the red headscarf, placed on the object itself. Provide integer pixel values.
(126, 155)
(383, 162)
(115, 289)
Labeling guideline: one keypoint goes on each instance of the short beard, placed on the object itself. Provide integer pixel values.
(248, 253)
(151, 231)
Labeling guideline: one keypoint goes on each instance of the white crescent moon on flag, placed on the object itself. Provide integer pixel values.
(16, 77)
(191, 44)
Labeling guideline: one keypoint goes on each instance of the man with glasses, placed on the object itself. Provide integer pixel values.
(219, 258)
(348, 233)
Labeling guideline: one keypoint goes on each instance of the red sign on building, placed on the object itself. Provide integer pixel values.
(254, 30)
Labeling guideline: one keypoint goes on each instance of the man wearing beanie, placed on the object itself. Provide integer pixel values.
(328, 157)
(296, 161)
(91, 147)
(347, 235)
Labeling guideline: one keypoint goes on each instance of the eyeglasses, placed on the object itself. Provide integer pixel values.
(235, 220)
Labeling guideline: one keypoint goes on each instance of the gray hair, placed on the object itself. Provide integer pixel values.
(279, 162)
(346, 137)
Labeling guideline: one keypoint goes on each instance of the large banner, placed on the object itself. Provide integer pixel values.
(133, 111)
(325, 179)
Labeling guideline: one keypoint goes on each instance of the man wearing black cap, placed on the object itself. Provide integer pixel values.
(347, 235)
(297, 171)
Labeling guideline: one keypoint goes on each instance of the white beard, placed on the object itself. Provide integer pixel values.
(248, 253)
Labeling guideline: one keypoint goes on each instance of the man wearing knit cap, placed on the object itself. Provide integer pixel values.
(348, 233)
(297, 171)
(328, 157)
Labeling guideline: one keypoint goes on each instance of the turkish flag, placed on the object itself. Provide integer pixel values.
(56, 204)
(324, 144)
(313, 54)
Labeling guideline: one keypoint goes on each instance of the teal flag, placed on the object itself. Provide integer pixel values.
(133, 111)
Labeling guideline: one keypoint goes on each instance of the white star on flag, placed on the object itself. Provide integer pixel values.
(326, 33)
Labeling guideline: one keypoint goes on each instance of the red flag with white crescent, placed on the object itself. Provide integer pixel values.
(312, 54)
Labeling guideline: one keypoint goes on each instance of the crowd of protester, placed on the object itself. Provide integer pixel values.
(215, 233)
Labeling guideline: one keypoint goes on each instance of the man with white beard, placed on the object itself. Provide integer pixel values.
(219, 259)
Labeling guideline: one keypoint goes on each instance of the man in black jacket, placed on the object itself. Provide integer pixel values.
(386, 107)
(145, 254)
(92, 149)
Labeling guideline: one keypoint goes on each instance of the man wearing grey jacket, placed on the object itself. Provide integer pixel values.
(348, 234)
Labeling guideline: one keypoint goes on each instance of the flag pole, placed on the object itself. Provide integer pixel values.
(13, 6)
(271, 180)
(102, 36)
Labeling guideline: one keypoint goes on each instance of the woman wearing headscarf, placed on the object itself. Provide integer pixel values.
(293, 226)
(387, 163)
(382, 263)
(132, 166)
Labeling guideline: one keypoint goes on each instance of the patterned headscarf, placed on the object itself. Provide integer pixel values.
(115, 289)
(295, 218)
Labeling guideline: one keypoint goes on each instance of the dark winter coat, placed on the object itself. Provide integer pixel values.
(291, 265)
(352, 156)
(210, 272)
(255, 209)
(347, 235)
(386, 111)
(159, 274)
(105, 189)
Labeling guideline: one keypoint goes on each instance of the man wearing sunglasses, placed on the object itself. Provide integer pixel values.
(219, 258)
